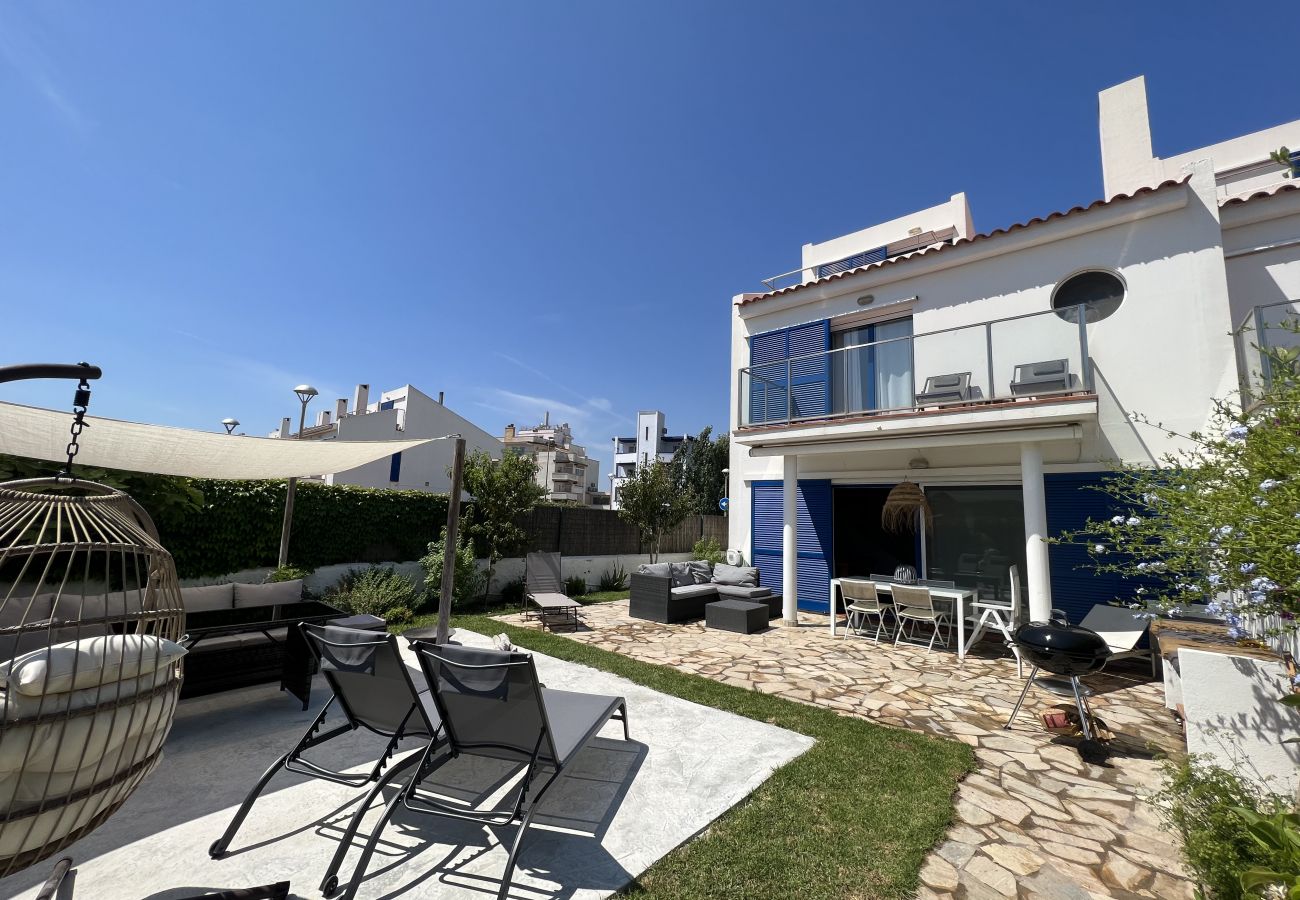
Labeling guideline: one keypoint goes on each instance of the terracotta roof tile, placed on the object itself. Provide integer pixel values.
(1259, 195)
(998, 232)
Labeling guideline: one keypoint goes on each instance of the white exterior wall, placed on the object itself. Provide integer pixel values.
(417, 415)
(1128, 161)
(953, 214)
(1166, 351)
(649, 445)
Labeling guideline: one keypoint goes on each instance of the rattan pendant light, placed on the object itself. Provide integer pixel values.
(90, 624)
(906, 504)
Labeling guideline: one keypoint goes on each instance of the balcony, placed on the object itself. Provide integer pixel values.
(1267, 341)
(1038, 355)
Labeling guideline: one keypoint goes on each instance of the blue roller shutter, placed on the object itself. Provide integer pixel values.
(1071, 501)
(808, 391)
(813, 536)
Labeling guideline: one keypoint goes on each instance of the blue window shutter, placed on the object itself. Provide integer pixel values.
(856, 261)
(813, 538)
(387, 404)
(810, 379)
(767, 384)
(1072, 499)
(395, 467)
(765, 531)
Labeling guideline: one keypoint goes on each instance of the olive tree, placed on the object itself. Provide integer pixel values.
(655, 501)
(503, 489)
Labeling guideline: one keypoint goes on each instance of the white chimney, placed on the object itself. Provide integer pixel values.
(284, 427)
(340, 408)
(322, 418)
(361, 399)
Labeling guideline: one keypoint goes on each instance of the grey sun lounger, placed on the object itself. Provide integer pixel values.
(492, 705)
(544, 589)
(1051, 376)
(940, 389)
(374, 691)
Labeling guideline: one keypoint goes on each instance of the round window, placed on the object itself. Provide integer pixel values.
(1098, 293)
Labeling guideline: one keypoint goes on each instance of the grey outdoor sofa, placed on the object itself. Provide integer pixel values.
(678, 592)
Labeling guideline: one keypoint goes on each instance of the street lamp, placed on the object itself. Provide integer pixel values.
(305, 392)
(230, 425)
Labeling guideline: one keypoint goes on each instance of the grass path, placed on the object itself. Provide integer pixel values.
(853, 817)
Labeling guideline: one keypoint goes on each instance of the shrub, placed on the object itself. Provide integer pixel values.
(614, 578)
(467, 581)
(513, 591)
(377, 591)
(575, 585)
(709, 550)
(1200, 802)
(287, 573)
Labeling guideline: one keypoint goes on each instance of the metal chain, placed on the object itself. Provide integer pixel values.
(80, 401)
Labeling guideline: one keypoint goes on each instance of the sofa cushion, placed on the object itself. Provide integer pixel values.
(701, 571)
(694, 590)
(208, 598)
(658, 570)
(681, 574)
(276, 594)
(738, 576)
(737, 592)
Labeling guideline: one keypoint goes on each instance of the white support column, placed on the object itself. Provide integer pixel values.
(1035, 500)
(789, 540)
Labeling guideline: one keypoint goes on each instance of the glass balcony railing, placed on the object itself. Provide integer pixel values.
(1267, 343)
(1036, 355)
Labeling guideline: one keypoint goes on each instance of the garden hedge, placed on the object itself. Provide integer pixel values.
(238, 526)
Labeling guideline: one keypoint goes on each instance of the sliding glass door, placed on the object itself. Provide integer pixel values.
(873, 369)
(979, 533)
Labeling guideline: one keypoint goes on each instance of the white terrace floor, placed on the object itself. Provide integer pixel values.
(1034, 821)
(624, 805)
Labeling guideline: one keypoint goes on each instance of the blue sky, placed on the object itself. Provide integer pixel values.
(529, 206)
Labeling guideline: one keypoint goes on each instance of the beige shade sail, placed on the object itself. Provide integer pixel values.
(112, 444)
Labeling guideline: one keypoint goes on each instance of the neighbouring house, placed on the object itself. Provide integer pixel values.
(563, 468)
(1000, 371)
(651, 441)
(404, 412)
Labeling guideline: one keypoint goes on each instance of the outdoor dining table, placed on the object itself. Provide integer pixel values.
(959, 597)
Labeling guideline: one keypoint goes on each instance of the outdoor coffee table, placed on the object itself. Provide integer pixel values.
(739, 616)
(267, 655)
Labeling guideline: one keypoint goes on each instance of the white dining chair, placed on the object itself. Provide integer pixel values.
(914, 606)
(1001, 616)
(861, 602)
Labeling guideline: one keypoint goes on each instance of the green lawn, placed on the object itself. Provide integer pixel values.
(853, 817)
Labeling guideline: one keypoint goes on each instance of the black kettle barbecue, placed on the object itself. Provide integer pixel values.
(1067, 651)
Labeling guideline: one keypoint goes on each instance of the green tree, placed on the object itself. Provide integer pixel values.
(1282, 156)
(702, 461)
(1219, 521)
(502, 490)
(654, 500)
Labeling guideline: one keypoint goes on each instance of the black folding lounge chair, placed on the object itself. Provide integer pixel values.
(374, 691)
(938, 389)
(492, 704)
(544, 588)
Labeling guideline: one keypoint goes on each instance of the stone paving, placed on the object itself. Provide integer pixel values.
(1035, 821)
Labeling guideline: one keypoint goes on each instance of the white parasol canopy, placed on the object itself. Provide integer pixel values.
(112, 444)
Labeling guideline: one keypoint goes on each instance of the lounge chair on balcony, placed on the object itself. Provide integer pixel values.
(374, 691)
(940, 389)
(1052, 376)
(544, 589)
(494, 706)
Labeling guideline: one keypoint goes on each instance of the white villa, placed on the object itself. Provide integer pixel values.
(1000, 371)
(403, 412)
(651, 441)
(564, 469)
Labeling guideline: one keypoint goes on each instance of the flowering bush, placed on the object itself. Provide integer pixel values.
(1218, 522)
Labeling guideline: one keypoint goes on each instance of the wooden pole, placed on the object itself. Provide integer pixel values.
(449, 546)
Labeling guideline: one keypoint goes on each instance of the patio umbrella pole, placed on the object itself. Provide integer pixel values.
(449, 545)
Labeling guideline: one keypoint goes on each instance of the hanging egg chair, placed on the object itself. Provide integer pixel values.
(90, 624)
